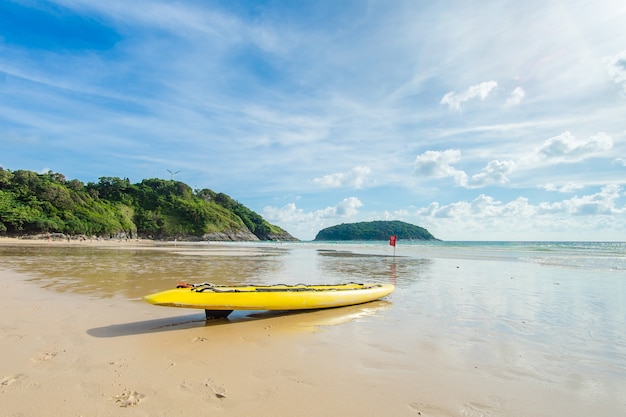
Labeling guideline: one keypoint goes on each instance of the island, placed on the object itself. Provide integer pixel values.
(375, 230)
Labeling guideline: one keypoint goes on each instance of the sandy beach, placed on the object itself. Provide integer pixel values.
(73, 352)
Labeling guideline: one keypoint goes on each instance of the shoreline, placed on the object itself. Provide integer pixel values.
(92, 352)
(126, 243)
(91, 241)
(117, 353)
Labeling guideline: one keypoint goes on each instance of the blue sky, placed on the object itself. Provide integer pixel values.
(479, 120)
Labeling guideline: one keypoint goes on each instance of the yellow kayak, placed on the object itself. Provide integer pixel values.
(220, 301)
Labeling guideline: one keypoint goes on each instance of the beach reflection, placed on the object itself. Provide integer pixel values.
(367, 267)
(132, 273)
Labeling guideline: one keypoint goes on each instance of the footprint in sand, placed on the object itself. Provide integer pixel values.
(199, 339)
(10, 380)
(420, 408)
(129, 398)
(218, 390)
(43, 357)
(474, 409)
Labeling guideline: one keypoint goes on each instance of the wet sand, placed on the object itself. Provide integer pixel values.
(81, 354)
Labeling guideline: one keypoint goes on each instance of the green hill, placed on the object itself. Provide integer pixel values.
(32, 204)
(376, 230)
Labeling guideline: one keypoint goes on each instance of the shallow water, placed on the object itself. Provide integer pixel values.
(539, 312)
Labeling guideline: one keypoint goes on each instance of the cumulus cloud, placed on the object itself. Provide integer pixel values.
(516, 97)
(286, 214)
(353, 178)
(482, 90)
(438, 164)
(589, 216)
(289, 213)
(483, 206)
(566, 148)
(616, 68)
(496, 172)
(604, 202)
(346, 208)
(304, 223)
(484, 213)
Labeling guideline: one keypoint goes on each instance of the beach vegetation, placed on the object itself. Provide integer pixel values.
(33, 203)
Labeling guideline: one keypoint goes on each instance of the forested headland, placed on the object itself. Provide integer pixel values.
(35, 204)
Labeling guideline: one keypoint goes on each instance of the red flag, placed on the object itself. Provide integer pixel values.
(392, 240)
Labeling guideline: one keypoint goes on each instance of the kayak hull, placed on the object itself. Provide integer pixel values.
(271, 297)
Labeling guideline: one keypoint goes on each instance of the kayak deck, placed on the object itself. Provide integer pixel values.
(219, 301)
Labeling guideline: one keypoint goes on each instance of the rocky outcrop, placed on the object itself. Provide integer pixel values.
(244, 235)
(284, 237)
(230, 236)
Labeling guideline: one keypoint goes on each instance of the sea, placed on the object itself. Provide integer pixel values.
(546, 313)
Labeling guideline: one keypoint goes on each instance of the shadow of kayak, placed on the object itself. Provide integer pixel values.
(308, 320)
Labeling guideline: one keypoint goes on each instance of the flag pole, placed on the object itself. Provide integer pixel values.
(392, 242)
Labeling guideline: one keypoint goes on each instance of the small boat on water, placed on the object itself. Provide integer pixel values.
(219, 301)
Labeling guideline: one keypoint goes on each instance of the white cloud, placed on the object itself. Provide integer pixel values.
(591, 217)
(482, 90)
(483, 218)
(569, 187)
(616, 68)
(516, 97)
(346, 208)
(566, 148)
(353, 178)
(603, 202)
(484, 206)
(438, 164)
(287, 214)
(496, 172)
(303, 224)
(621, 161)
